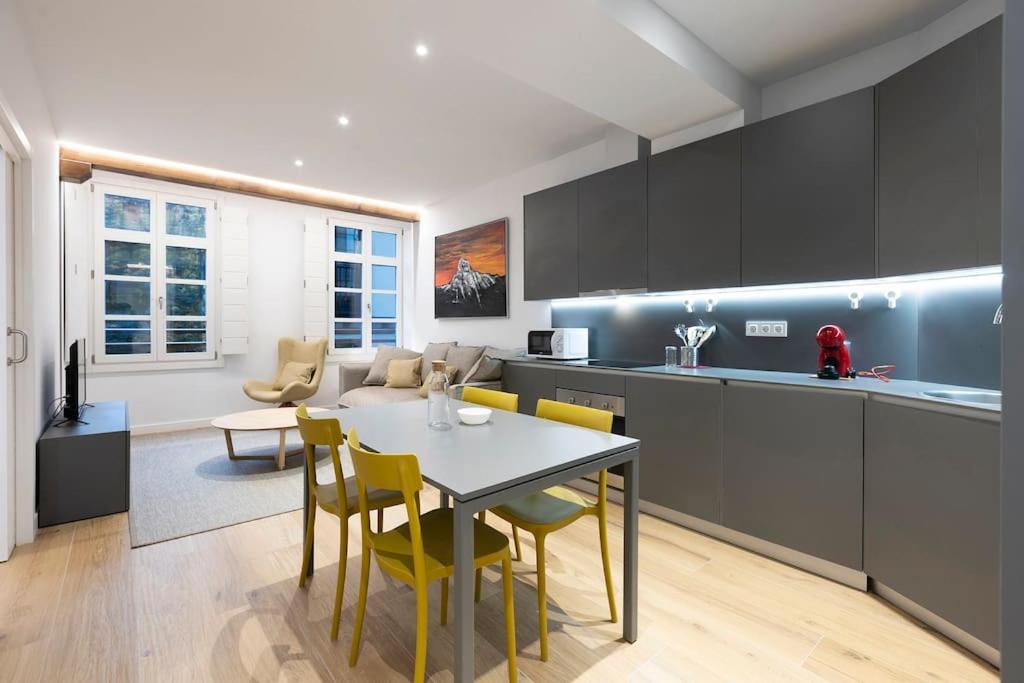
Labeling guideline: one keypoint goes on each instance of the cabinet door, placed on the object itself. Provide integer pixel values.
(613, 229)
(550, 237)
(531, 382)
(931, 512)
(928, 163)
(693, 221)
(809, 193)
(990, 142)
(679, 426)
(793, 468)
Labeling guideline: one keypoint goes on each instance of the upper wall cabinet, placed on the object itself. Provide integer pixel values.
(939, 177)
(809, 193)
(550, 219)
(613, 229)
(693, 221)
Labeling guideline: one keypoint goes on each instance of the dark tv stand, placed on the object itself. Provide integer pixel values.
(83, 467)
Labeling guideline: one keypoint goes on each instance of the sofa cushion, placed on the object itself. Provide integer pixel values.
(488, 368)
(294, 371)
(385, 354)
(377, 396)
(463, 359)
(449, 370)
(434, 351)
(403, 373)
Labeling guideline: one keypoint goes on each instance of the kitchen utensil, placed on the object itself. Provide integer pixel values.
(474, 416)
(707, 334)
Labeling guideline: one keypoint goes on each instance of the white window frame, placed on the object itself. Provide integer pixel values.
(367, 260)
(158, 240)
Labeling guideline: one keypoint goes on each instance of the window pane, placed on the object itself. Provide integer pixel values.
(186, 300)
(384, 334)
(348, 240)
(125, 213)
(348, 305)
(348, 335)
(124, 337)
(384, 277)
(384, 305)
(126, 258)
(385, 244)
(186, 220)
(348, 275)
(186, 336)
(185, 263)
(127, 298)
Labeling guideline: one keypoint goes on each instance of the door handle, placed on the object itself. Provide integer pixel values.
(24, 345)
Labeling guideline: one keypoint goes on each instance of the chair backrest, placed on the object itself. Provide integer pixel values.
(581, 416)
(501, 400)
(315, 352)
(324, 432)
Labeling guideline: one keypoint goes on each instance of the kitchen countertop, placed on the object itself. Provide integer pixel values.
(897, 388)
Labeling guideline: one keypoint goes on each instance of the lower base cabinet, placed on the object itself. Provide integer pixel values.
(679, 424)
(931, 512)
(530, 382)
(793, 468)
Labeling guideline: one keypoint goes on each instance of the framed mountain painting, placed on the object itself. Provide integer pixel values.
(471, 271)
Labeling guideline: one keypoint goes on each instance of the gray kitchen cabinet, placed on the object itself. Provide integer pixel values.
(931, 511)
(693, 215)
(531, 382)
(808, 193)
(939, 176)
(550, 235)
(793, 468)
(613, 229)
(679, 424)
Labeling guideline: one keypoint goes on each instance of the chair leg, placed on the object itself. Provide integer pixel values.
(307, 544)
(420, 670)
(364, 583)
(542, 598)
(444, 601)
(510, 617)
(339, 592)
(515, 539)
(380, 520)
(602, 525)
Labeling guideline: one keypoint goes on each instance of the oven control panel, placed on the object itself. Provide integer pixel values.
(615, 404)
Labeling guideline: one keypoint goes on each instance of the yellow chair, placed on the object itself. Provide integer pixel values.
(421, 550)
(500, 400)
(552, 509)
(327, 432)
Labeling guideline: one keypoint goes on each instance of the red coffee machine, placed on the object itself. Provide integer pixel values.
(833, 357)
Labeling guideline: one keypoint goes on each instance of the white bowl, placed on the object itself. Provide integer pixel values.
(474, 416)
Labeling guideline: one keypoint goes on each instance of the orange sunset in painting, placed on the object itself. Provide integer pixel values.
(470, 270)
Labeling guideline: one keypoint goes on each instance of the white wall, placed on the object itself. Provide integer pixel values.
(179, 398)
(23, 99)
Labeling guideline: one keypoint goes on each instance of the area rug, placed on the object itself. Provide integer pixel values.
(183, 483)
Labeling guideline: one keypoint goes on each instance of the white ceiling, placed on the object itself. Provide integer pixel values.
(769, 40)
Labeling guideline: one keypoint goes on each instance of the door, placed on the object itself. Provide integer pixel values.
(613, 229)
(550, 226)
(10, 347)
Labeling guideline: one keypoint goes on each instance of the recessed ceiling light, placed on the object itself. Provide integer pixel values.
(298, 162)
(342, 120)
(422, 50)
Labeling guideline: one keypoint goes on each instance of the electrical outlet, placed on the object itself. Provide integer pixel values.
(767, 328)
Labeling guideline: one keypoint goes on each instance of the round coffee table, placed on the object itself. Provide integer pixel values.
(268, 419)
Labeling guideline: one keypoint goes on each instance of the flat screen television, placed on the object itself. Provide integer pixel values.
(74, 392)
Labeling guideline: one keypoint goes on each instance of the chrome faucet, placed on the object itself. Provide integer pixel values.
(998, 319)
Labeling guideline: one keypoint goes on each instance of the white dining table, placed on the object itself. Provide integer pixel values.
(480, 467)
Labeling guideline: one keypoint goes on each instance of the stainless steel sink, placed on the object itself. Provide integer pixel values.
(979, 398)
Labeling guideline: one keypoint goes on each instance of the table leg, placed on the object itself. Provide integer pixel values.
(464, 579)
(231, 445)
(305, 514)
(630, 540)
(445, 500)
(281, 452)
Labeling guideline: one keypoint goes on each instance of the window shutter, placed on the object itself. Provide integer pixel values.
(314, 291)
(234, 274)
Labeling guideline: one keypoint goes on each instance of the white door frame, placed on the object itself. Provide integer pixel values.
(27, 412)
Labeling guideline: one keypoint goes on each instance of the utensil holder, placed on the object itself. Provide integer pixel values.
(689, 356)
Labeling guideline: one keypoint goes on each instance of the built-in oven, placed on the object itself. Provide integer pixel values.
(617, 406)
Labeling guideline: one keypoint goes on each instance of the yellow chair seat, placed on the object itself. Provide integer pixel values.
(327, 497)
(395, 549)
(548, 507)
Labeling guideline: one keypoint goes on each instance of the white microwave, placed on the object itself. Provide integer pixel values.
(561, 343)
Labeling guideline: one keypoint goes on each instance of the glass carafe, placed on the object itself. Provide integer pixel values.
(438, 411)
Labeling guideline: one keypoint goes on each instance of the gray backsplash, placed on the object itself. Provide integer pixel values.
(938, 332)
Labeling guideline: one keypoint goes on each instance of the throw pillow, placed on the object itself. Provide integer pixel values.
(294, 372)
(449, 370)
(385, 354)
(403, 374)
(434, 351)
(464, 358)
(488, 368)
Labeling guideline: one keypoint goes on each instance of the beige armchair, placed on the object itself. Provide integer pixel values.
(289, 350)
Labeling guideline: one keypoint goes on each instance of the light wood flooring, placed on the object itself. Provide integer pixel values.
(80, 605)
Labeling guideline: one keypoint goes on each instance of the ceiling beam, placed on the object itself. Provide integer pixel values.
(75, 159)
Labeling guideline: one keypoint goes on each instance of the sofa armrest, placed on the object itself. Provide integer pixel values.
(455, 390)
(351, 375)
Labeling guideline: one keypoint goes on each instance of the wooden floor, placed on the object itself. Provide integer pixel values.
(80, 605)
